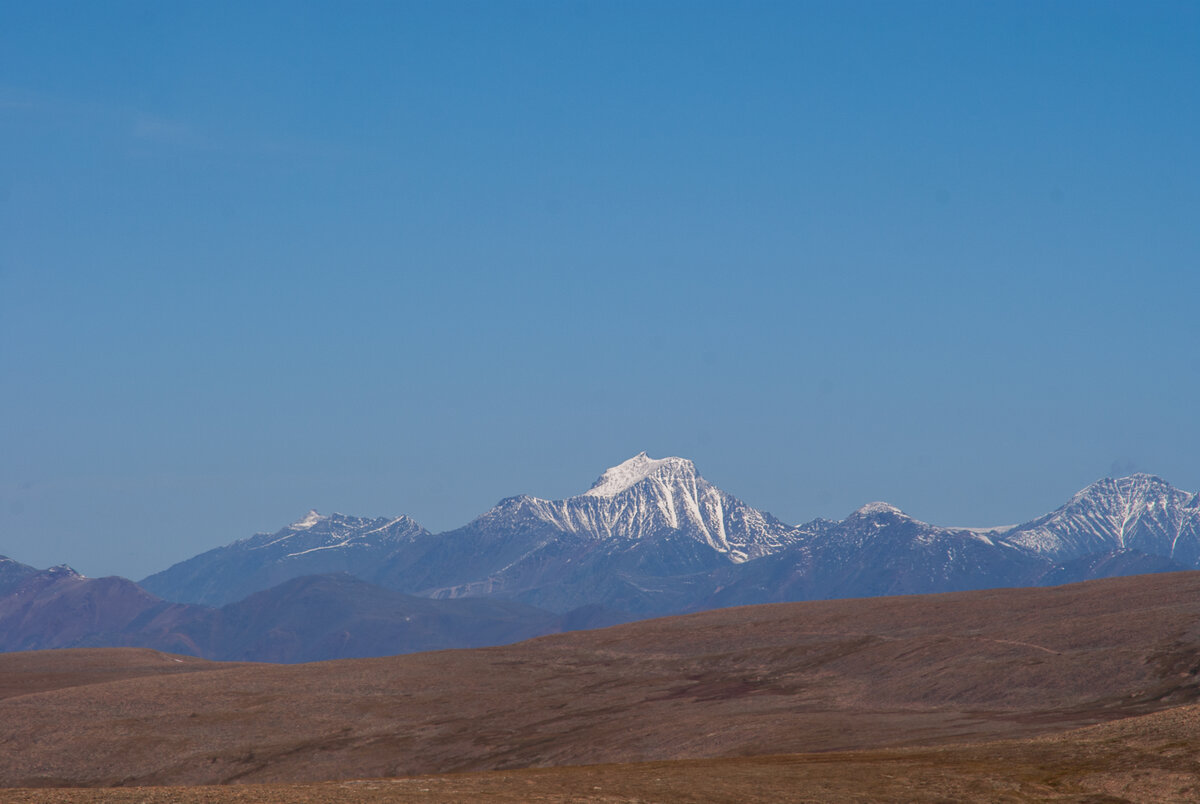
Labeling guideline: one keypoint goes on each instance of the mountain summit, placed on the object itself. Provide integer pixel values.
(645, 500)
(1140, 512)
(643, 520)
(628, 473)
(878, 509)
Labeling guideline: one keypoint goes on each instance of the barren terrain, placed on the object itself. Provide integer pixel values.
(906, 690)
(1142, 759)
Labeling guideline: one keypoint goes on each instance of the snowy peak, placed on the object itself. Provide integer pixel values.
(307, 521)
(660, 505)
(1134, 486)
(1140, 512)
(873, 509)
(61, 571)
(1120, 502)
(629, 473)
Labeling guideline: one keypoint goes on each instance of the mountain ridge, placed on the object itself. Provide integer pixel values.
(651, 536)
(313, 545)
(310, 618)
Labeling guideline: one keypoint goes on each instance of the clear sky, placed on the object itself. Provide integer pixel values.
(385, 258)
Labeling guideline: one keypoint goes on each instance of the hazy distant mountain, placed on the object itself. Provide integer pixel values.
(314, 545)
(1132, 525)
(651, 536)
(338, 616)
(13, 574)
(618, 545)
(1115, 564)
(1141, 512)
(877, 550)
(639, 540)
(630, 543)
(880, 550)
(304, 619)
(59, 608)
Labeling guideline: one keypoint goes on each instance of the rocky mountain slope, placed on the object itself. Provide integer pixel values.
(1140, 512)
(313, 545)
(13, 574)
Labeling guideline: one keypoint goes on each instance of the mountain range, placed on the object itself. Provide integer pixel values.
(650, 537)
(653, 537)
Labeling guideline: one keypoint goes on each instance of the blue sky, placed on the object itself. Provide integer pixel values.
(416, 257)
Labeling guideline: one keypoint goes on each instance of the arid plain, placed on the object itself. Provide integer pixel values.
(1079, 693)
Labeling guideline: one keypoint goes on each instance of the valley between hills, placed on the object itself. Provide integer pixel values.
(1085, 692)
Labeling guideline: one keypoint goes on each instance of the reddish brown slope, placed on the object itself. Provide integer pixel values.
(822, 676)
(47, 670)
(1145, 759)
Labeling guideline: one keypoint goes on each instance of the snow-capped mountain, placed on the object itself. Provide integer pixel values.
(313, 545)
(1140, 512)
(642, 522)
(615, 545)
(1112, 527)
(877, 550)
(651, 536)
(645, 499)
(880, 550)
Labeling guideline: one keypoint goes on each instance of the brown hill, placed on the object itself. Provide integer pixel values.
(835, 675)
(49, 670)
(1151, 758)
